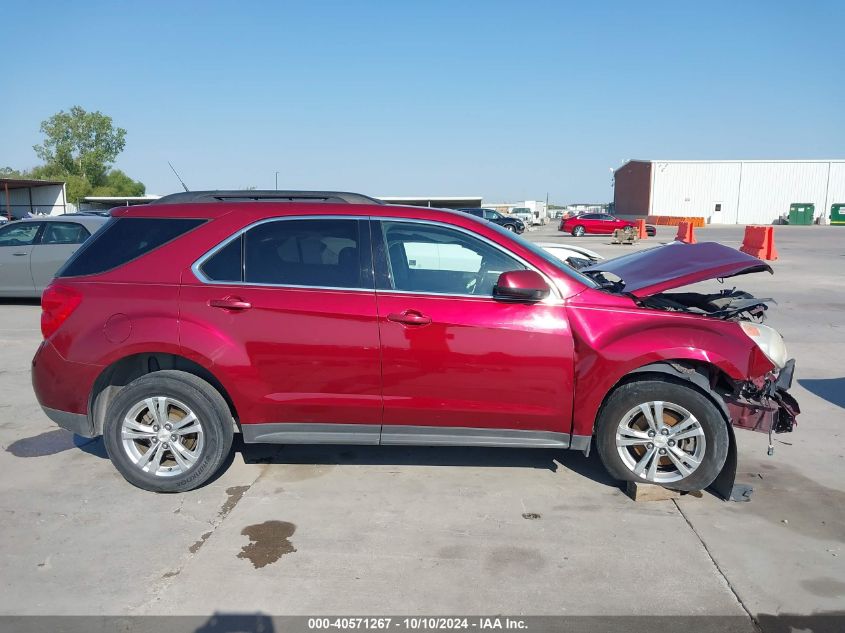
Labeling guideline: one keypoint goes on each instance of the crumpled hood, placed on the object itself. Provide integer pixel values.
(677, 264)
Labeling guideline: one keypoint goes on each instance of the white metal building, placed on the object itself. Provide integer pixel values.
(22, 197)
(728, 191)
(439, 202)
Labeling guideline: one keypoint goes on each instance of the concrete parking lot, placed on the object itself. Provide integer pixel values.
(388, 530)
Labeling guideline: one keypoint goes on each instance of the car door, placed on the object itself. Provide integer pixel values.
(615, 223)
(590, 222)
(458, 366)
(286, 309)
(16, 243)
(603, 224)
(58, 241)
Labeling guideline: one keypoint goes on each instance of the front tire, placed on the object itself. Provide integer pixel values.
(510, 227)
(662, 432)
(168, 431)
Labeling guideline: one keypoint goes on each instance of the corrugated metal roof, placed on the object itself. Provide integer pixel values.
(24, 183)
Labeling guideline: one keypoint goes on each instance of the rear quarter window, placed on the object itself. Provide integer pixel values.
(122, 240)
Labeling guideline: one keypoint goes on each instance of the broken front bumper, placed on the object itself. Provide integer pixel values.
(767, 409)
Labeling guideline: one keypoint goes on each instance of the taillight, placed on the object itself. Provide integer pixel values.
(57, 304)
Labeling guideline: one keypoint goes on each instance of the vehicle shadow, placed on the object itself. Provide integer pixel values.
(60, 440)
(462, 456)
(56, 441)
(831, 389)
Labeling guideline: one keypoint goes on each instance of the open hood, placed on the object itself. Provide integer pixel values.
(677, 264)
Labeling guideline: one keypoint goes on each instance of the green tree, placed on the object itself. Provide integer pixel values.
(81, 143)
(79, 148)
(8, 172)
(117, 183)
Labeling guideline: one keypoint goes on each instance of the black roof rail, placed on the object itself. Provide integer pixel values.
(267, 195)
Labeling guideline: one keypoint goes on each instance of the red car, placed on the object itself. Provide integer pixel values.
(332, 318)
(594, 224)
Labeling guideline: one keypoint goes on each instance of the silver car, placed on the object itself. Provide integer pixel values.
(32, 250)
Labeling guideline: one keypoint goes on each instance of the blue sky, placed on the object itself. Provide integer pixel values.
(508, 100)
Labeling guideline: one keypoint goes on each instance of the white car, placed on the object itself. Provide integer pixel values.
(33, 249)
(564, 252)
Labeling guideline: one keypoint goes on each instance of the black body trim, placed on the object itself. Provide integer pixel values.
(77, 423)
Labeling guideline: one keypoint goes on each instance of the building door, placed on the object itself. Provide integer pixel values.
(716, 217)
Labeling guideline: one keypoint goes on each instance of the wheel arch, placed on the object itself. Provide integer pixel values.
(705, 377)
(128, 368)
(709, 380)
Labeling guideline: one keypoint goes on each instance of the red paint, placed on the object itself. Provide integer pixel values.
(678, 264)
(605, 226)
(362, 356)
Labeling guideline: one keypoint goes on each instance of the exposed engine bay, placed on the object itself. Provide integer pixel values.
(729, 305)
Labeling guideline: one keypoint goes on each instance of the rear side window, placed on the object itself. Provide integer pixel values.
(122, 240)
(226, 264)
(320, 253)
(64, 233)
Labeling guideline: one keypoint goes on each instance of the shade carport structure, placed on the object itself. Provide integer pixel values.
(23, 196)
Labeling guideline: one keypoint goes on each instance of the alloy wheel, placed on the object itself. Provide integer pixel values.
(162, 436)
(660, 442)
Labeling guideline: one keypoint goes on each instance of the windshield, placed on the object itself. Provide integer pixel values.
(548, 257)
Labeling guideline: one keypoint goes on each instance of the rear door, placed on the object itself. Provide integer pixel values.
(58, 241)
(286, 310)
(16, 243)
(460, 367)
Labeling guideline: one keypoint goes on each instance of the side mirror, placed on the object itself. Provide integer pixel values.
(521, 285)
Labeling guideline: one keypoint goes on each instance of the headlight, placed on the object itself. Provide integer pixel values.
(768, 340)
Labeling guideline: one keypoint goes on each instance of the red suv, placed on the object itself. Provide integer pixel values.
(332, 318)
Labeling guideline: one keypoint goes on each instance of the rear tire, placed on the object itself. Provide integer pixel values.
(578, 231)
(168, 431)
(663, 432)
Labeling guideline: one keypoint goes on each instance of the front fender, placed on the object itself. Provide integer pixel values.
(613, 340)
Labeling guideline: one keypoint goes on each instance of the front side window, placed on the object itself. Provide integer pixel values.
(490, 215)
(436, 259)
(18, 234)
(64, 233)
(321, 253)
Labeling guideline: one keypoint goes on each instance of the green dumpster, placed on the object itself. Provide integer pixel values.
(837, 213)
(801, 213)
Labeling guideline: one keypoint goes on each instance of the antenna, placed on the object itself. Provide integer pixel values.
(184, 186)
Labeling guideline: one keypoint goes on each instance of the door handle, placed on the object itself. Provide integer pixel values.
(230, 303)
(19, 254)
(409, 317)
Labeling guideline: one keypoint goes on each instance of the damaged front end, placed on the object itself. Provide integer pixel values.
(728, 305)
(764, 406)
(756, 397)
